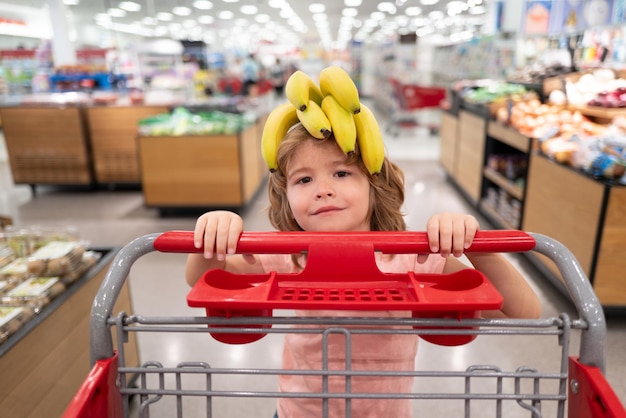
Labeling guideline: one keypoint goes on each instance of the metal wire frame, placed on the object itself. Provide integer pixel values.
(528, 387)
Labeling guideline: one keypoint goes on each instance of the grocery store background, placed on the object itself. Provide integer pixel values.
(180, 54)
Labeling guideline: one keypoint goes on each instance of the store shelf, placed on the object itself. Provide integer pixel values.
(201, 171)
(513, 189)
(114, 145)
(47, 145)
(44, 363)
(509, 136)
(493, 214)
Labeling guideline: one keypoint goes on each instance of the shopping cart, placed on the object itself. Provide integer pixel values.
(408, 101)
(340, 273)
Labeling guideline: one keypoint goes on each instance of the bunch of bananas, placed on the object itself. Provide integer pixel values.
(334, 108)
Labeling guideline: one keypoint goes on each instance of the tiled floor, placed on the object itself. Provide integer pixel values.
(115, 217)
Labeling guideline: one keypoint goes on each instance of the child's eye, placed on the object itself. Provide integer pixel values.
(342, 173)
(303, 180)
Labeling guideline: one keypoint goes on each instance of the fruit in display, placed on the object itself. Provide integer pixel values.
(278, 123)
(335, 81)
(300, 88)
(370, 140)
(341, 122)
(315, 120)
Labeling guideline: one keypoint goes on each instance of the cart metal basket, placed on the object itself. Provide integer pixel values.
(339, 274)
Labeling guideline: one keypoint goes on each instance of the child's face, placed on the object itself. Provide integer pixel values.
(324, 192)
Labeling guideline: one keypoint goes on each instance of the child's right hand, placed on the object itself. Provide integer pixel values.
(218, 231)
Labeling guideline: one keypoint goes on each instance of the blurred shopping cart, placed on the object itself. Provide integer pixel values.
(409, 102)
(341, 274)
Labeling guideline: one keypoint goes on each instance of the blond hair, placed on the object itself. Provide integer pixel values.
(386, 188)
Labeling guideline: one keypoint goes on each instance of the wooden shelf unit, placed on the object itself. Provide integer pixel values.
(449, 134)
(471, 152)
(113, 138)
(47, 145)
(201, 171)
(587, 216)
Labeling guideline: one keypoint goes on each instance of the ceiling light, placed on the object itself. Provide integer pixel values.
(317, 8)
(477, 10)
(181, 11)
(262, 18)
(276, 4)
(164, 16)
(203, 4)
(429, 2)
(249, 9)
(226, 14)
(71, 2)
(386, 6)
(206, 19)
(413, 11)
(352, 3)
(130, 6)
(114, 12)
(230, 1)
(351, 12)
(436, 15)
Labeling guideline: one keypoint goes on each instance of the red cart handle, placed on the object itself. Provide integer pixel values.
(399, 242)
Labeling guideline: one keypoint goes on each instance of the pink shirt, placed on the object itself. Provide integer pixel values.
(388, 352)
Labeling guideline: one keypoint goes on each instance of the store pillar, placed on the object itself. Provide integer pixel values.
(63, 51)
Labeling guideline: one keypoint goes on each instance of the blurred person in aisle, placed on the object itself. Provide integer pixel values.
(250, 75)
(277, 77)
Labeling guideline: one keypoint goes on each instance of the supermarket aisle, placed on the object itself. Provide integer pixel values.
(114, 218)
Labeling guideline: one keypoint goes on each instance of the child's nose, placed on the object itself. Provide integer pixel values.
(325, 190)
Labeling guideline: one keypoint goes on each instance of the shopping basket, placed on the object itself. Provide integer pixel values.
(408, 101)
(246, 308)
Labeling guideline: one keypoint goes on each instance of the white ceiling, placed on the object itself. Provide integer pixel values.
(394, 16)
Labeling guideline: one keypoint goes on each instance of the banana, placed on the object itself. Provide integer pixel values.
(300, 88)
(276, 126)
(341, 122)
(315, 120)
(370, 140)
(335, 81)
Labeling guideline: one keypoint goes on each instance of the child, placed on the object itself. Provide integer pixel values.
(318, 188)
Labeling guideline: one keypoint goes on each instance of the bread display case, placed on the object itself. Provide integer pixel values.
(44, 361)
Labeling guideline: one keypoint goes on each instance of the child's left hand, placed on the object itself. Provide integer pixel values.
(450, 233)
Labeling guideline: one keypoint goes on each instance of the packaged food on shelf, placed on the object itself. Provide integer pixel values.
(12, 318)
(56, 258)
(16, 271)
(88, 260)
(5, 286)
(42, 235)
(19, 240)
(6, 255)
(35, 292)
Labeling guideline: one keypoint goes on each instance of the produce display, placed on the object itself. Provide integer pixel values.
(571, 138)
(332, 108)
(598, 88)
(537, 73)
(36, 265)
(181, 122)
(493, 92)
